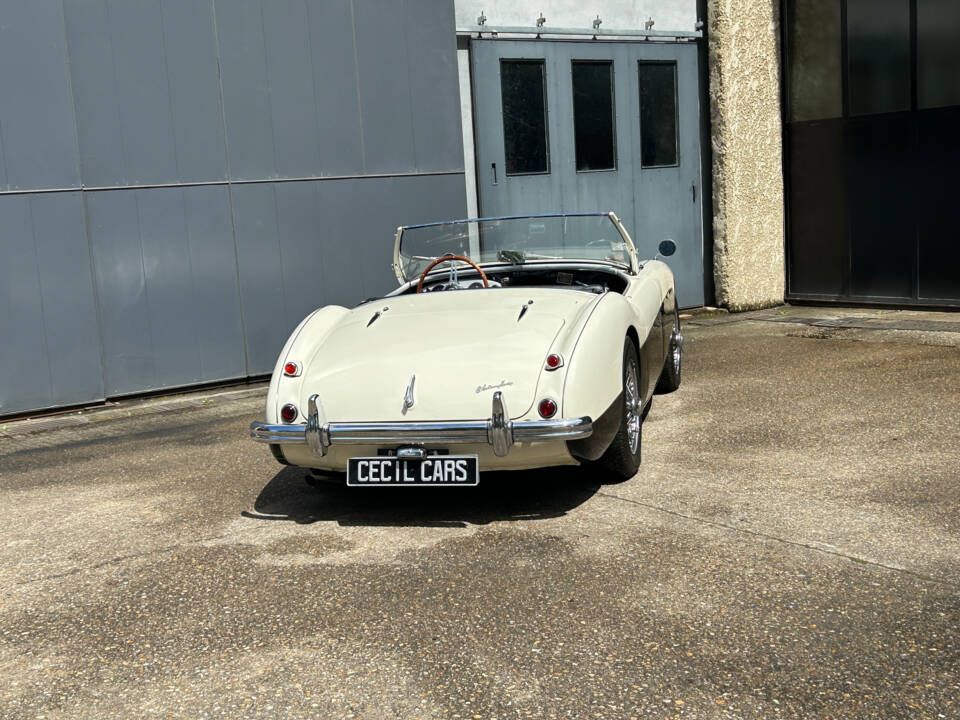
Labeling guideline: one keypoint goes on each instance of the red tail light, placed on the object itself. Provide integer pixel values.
(291, 369)
(554, 361)
(289, 413)
(547, 408)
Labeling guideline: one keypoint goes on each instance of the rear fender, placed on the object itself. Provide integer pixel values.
(594, 376)
(301, 346)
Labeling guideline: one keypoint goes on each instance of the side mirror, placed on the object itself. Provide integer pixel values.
(667, 248)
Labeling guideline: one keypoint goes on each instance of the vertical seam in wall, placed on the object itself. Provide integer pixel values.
(276, 227)
(266, 69)
(166, 68)
(146, 297)
(356, 73)
(406, 51)
(193, 284)
(43, 313)
(116, 90)
(313, 89)
(92, 268)
(233, 223)
(3, 164)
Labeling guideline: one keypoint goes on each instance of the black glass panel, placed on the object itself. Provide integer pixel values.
(878, 51)
(817, 218)
(593, 124)
(938, 53)
(881, 206)
(658, 114)
(936, 212)
(813, 42)
(523, 92)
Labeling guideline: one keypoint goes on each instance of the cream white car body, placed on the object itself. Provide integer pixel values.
(462, 348)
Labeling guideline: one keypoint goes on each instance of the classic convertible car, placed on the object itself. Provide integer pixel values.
(511, 343)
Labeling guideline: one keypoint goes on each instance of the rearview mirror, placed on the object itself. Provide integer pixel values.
(667, 248)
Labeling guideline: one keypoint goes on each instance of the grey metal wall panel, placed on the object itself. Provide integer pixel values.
(434, 85)
(306, 244)
(118, 291)
(387, 203)
(168, 279)
(191, 55)
(144, 79)
(262, 286)
(21, 322)
(51, 353)
(69, 306)
(215, 306)
(246, 90)
(165, 267)
(143, 91)
(293, 105)
(113, 228)
(335, 87)
(38, 146)
(385, 100)
(301, 234)
(96, 104)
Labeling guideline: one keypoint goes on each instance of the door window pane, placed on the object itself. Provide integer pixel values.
(593, 115)
(658, 114)
(813, 44)
(878, 52)
(938, 53)
(524, 96)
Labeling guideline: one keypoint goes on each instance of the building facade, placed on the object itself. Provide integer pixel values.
(872, 130)
(181, 181)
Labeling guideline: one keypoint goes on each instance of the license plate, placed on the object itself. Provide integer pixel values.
(436, 470)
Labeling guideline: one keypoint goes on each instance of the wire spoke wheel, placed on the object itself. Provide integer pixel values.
(633, 407)
(621, 460)
(669, 379)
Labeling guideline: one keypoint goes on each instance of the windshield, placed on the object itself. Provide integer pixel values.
(515, 240)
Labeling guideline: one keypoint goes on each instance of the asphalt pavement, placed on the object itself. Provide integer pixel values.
(789, 549)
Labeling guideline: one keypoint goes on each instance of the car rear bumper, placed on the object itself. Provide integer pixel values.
(497, 431)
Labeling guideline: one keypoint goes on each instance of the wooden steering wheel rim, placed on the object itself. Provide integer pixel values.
(447, 258)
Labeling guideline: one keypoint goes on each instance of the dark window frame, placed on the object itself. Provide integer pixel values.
(613, 112)
(542, 62)
(676, 113)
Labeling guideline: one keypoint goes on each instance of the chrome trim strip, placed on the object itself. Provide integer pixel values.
(390, 432)
(566, 429)
(264, 432)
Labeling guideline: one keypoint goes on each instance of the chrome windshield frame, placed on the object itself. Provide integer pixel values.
(633, 269)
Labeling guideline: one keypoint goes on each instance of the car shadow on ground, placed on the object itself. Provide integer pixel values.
(521, 495)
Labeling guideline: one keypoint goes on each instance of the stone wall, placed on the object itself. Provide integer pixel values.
(748, 221)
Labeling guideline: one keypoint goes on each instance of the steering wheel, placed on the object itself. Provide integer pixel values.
(449, 258)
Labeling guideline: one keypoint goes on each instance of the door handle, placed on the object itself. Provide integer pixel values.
(693, 191)
(493, 173)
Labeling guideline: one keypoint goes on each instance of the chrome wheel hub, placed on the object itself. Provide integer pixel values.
(633, 406)
(676, 345)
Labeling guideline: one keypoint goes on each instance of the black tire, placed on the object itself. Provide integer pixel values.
(622, 459)
(669, 379)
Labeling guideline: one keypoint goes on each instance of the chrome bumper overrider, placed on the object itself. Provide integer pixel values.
(498, 431)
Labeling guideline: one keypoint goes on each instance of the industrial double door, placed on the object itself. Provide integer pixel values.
(578, 126)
